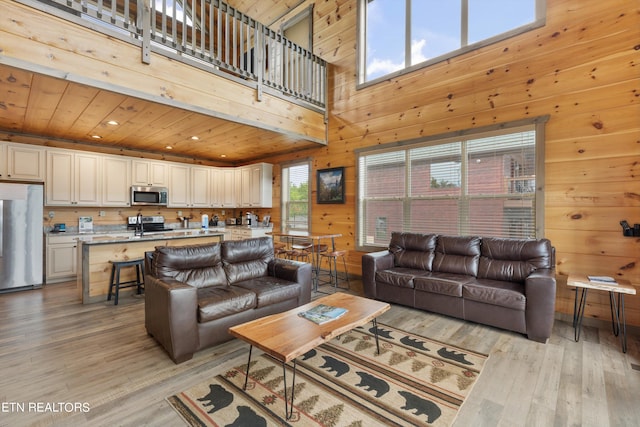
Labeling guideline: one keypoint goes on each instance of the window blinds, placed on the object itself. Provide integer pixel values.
(295, 197)
(482, 186)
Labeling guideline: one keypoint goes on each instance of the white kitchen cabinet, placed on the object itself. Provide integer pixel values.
(61, 258)
(241, 233)
(149, 173)
(256, 186)
(74, 178)
(229, 190)
(215, 183)
(179, 186)
(201, 193)
(116, 181)
(22, 162)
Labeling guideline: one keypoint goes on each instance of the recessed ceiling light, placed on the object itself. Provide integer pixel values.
(195, 138)
(113, 123)
(168, 147)
(96, 136)
(223, 155)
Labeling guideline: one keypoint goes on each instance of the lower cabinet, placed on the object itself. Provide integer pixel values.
(62, 258)
(248, 233)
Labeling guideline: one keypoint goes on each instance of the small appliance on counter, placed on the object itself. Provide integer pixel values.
(185, 221)
(59, 228)
(231, 221)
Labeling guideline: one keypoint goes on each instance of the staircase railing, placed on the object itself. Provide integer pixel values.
(208, 34)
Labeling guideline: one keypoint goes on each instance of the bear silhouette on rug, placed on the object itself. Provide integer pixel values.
(247, 418)
(334, 365)
(369, 383)
(452, 355)
(411, 342)
(218, 398)
(422, 406)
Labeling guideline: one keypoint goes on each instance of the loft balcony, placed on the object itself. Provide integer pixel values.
(165, 71)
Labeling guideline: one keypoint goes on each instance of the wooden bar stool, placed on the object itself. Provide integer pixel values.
(300, 252)
(332, 259)
(280, 249)
(114, 281)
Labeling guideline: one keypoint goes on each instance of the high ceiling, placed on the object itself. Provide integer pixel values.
(44, 106)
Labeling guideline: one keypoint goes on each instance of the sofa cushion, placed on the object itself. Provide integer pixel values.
(496, 292)
(196, 265)
(442, 283)
(270, 290)
(402, 277)
(412, 250)
(246, 259)
(215, 302)
(458, 255)
(513, 260)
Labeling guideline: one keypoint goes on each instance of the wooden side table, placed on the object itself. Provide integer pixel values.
(622, 288)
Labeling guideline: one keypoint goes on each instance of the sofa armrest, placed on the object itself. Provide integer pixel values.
(171, 316)
(540, 291)
(371, 263)
(293, 271)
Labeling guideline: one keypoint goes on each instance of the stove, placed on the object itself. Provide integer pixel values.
(149, 223)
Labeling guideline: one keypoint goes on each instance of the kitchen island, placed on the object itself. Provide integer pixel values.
(95, 252)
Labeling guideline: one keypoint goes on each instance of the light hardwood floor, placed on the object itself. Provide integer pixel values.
(56, 351)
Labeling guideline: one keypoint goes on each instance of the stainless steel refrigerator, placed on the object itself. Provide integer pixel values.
(21, 236)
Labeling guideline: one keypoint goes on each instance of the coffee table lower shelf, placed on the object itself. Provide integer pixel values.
(285, 336)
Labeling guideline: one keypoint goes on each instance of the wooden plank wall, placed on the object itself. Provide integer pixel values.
(582, 69)
(34, 40)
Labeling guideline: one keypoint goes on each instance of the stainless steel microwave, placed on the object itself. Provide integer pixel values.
(149, 196)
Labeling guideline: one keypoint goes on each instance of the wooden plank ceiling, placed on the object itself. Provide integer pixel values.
(52, 108)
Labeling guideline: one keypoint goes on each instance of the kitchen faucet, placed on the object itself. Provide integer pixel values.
(139, 225)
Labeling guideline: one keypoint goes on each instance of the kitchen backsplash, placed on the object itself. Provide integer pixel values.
(115, 219)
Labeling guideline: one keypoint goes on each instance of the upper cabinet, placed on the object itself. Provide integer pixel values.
(201, 194)
(74, 178)
(116, 182)
(256, 187)
(179, 181)
(149, 173)
(79, 178)
(22, 162)
(215, 184)
(228, 192)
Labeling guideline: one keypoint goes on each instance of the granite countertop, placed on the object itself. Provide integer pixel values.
(124, 231)
(102, 238)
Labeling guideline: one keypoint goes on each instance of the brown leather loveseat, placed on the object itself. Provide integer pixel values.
(506, 283)
(193, 294)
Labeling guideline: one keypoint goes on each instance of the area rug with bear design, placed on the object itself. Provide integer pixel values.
(344, 382)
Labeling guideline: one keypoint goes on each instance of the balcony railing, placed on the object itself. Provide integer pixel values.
(208, 34)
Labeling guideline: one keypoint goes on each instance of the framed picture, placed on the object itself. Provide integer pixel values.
(330, 185)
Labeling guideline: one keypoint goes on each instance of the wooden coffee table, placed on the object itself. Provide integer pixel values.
(286, 335)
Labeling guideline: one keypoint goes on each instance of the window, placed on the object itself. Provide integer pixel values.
(485, 184)
(295, 197)
(395, 35)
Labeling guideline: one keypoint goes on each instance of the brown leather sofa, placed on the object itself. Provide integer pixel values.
(506, 283)
(193, 294)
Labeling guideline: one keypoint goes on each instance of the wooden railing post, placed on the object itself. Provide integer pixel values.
(144, 22)
(260, 54)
